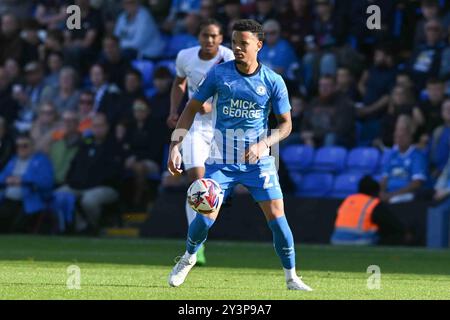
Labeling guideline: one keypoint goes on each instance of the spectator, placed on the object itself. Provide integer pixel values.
(375, 86)
(207, 10)
(133, 90)
(426, 59)
(86, 112)
(445, 62)
(51, 14)
(160, 101)
(346, 84)
(143, 158)
(26, 181)
(54, 61)
(329, 119)
(430, 11)
(441, 205)
(93, 174)
(29, 97)
(297, 23)
(114, 64)
(320, 45)
(363, 219)
(404, 80)
(106, 94)
(228, 14)
(178, 11)
(139, 35)
(6, 144)
(277, 53)
(431, 106)
(53, 42)
(81, 45)
(160, 10)
(265, 11)
(65, 96)
(14, 71)
(440, 142)
(186, 37)
(44, 126)
(8, 106)
(405, 170)
(401, 102)
(11, 44)
(64, 146)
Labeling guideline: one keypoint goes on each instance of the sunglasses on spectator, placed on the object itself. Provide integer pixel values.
(86, 101)
(271, 32)
(23, 145)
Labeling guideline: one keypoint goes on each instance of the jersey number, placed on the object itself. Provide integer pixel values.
(266, 176)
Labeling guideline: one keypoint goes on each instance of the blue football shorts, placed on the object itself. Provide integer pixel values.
(261, 178)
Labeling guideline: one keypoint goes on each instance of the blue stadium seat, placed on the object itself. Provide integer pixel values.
(345, 184)
(330, 159)
(363, 160)
(297, 157)
(315, 185)
(146, 69)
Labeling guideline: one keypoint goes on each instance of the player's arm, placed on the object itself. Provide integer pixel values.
(176, 95)
(183, 125)
(281, 132)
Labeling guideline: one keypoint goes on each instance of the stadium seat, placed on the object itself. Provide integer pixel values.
(146, 69)
(297, 157)
(330, 159)
(315, 185)
(345, 184)
(363, 160)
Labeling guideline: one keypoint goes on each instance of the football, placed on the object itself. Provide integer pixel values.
(205, 196)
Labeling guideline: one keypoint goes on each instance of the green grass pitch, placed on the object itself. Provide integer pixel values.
(34, 267)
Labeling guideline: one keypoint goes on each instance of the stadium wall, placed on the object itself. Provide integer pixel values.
(311, 220)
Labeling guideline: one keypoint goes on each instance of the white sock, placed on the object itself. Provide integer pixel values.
(190, 213)
(290, 274)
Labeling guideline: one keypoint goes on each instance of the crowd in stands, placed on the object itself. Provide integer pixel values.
(83, 112)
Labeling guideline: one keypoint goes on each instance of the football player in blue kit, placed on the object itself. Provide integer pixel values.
(244, 93)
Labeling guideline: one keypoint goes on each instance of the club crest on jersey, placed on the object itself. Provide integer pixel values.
(261, 90)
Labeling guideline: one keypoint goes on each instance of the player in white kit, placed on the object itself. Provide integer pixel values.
(192, 65)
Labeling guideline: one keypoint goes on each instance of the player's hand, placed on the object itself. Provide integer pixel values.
(172, 120)
(174, 161)
(206, 108)
(255, 151)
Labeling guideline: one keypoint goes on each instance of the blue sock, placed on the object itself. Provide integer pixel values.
(198, 232)
(283, 241)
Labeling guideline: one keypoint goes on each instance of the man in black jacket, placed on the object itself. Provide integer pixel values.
(94, 173)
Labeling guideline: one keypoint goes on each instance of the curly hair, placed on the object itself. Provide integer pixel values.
(250, 26)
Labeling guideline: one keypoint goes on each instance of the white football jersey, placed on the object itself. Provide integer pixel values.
(190, 66)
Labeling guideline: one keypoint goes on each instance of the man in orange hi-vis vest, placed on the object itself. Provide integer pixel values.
(363, 220)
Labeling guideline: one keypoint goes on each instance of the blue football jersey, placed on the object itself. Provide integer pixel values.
(402, 169)
(241, 107)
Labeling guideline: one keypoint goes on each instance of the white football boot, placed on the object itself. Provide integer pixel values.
(181, 270)
(297, 284)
